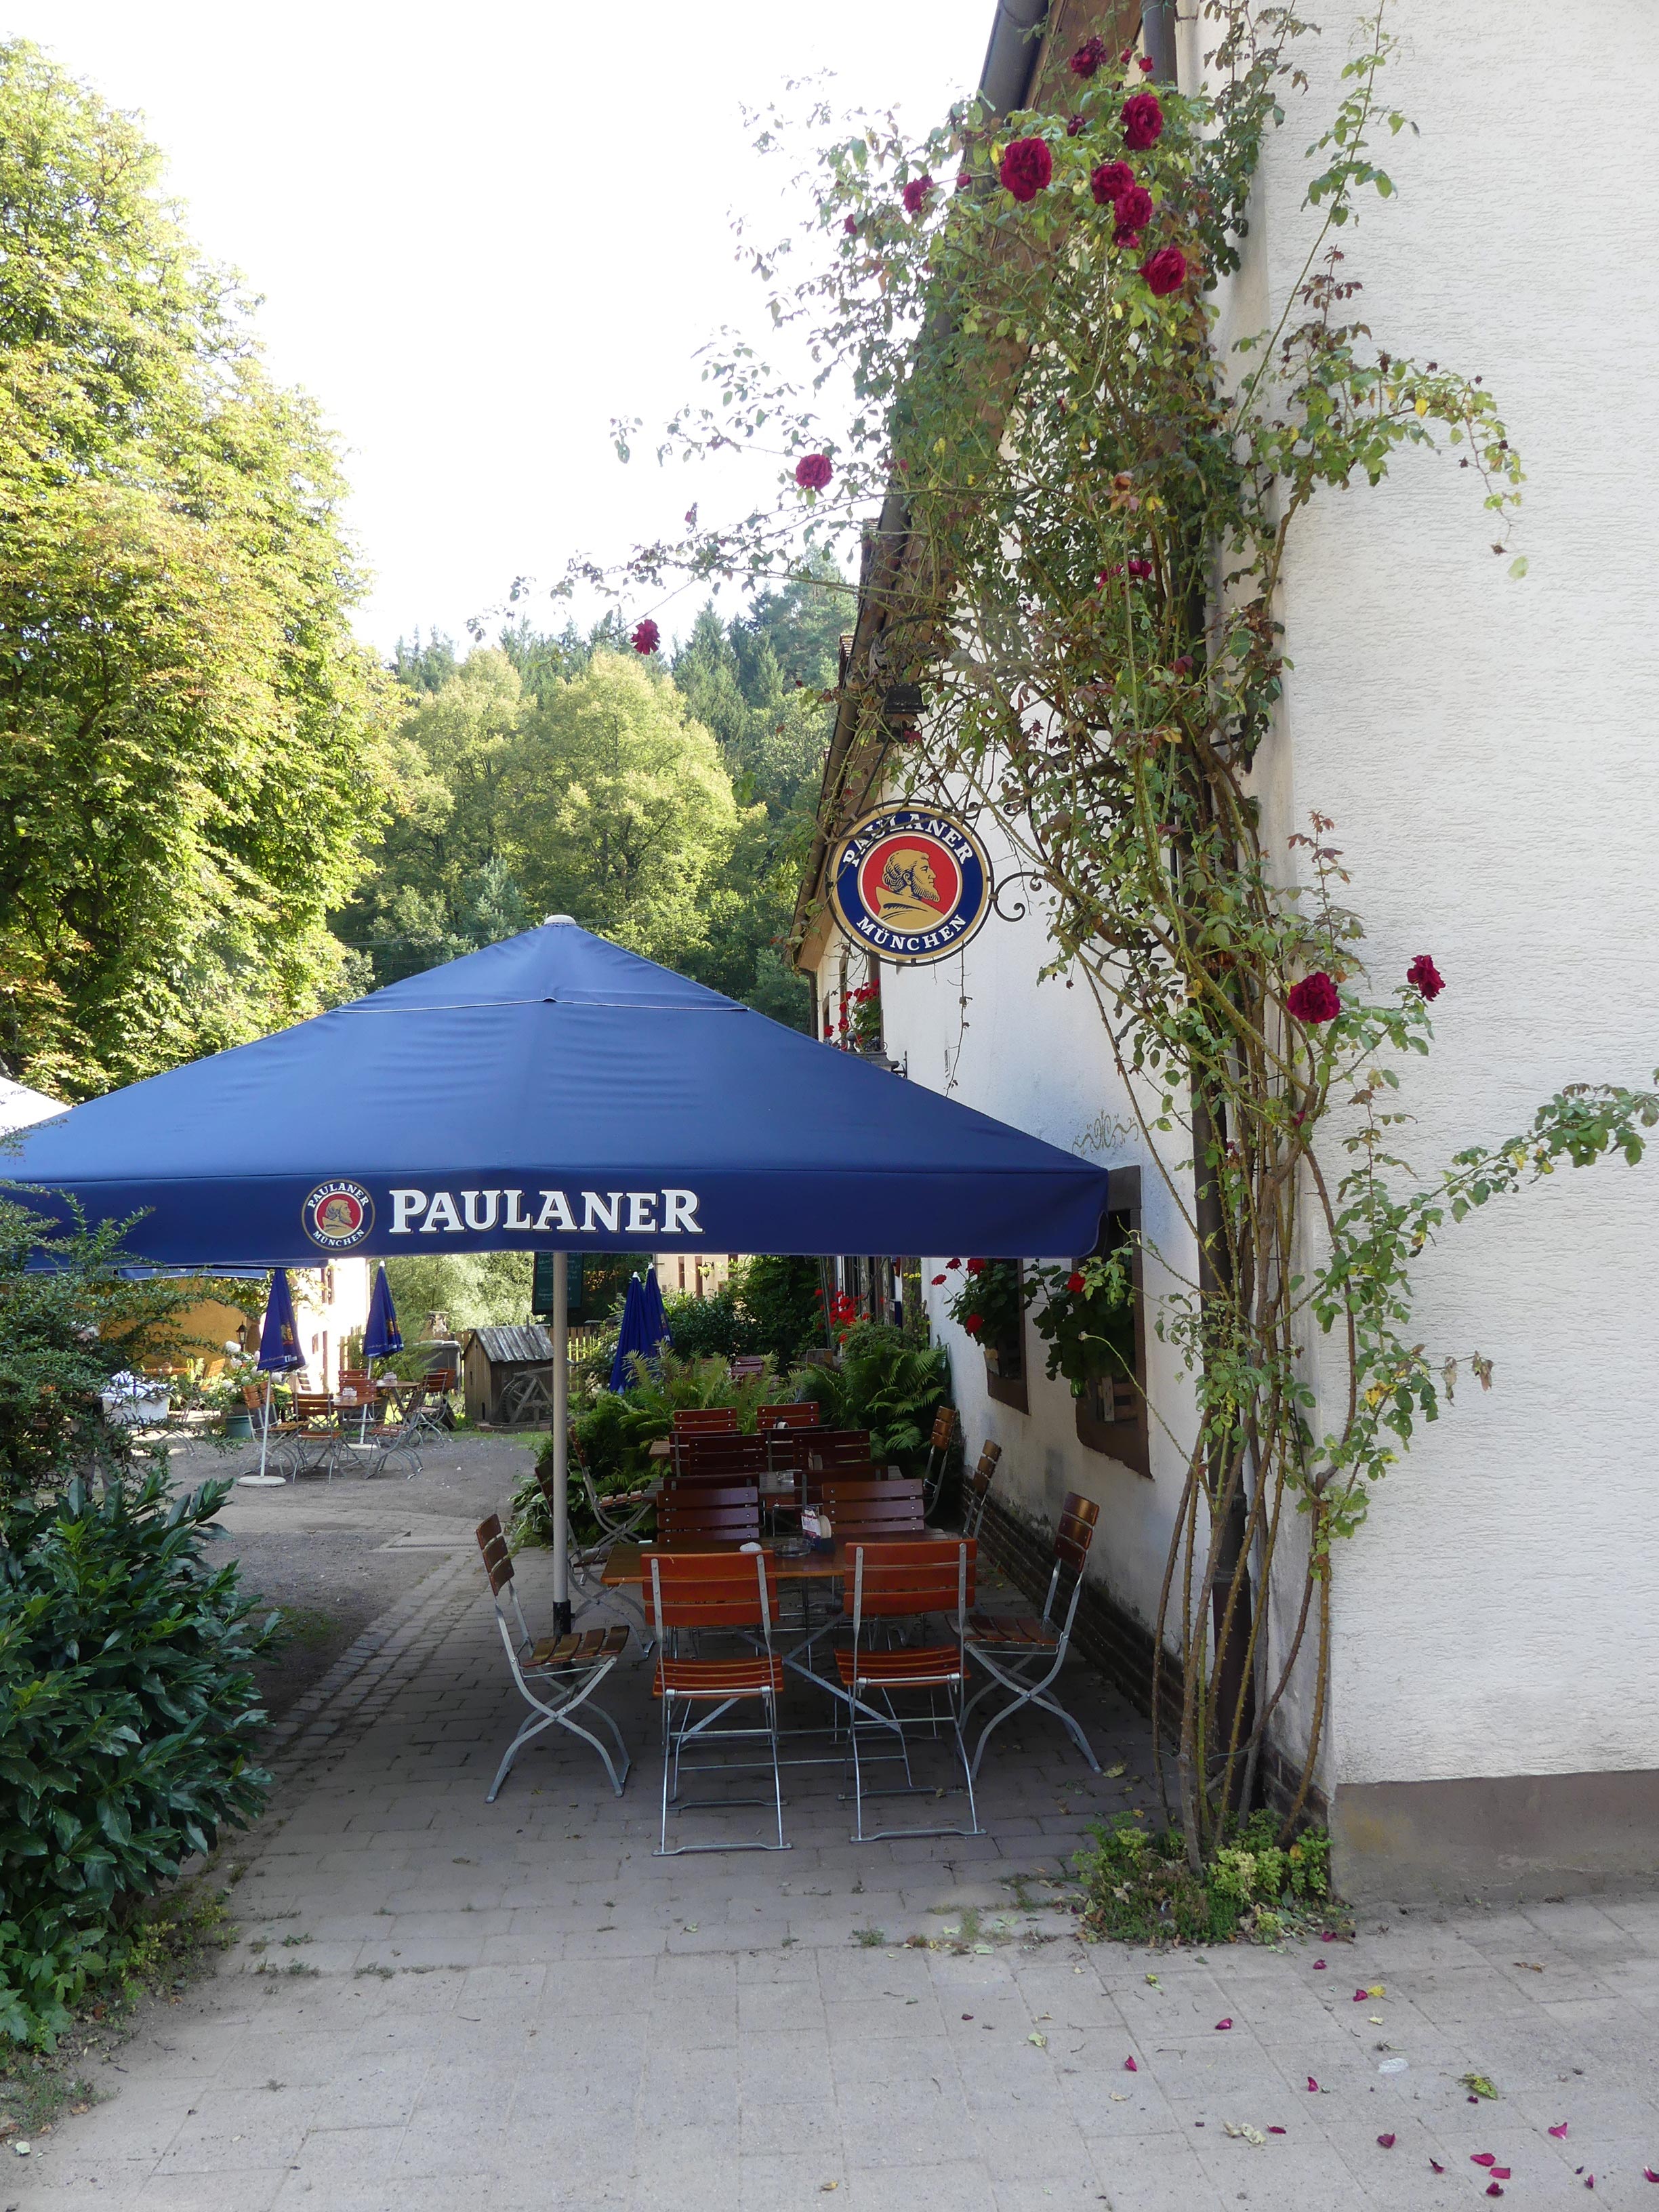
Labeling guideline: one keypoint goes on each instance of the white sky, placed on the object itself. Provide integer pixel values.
(483, 230)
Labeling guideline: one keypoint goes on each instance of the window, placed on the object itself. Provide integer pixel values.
(1005, 1355)
(328, 1286)
(1111, 1414)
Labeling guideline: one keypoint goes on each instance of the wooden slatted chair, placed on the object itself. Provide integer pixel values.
(708, 1512)
(938, 1454)
(555, 1675)
(309, 1441)
(705, 1420)
(720, 1452)
(1023, 1654)
(909, 1580)
(704, 1593)
(978, 1490)
(399, 1437)
(859, 1510)
(828, 1450)
(797, 1413)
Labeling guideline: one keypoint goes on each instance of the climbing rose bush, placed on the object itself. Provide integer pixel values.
(1027, 167)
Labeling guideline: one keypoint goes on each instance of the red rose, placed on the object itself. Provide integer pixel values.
(1027, 167)
(1142, 121)
(974, 1324)
(813, 472)
(1147, 64)
(1140, 568)
(1074, 1282)
(965, 177)
(1165, 271)
(1109, 182)
(851, 226)
(976, 1267)
(1075, 125)
(1135, 207)
(953, 1263)
(915, 194)
(937, 1279)
(1426, 976)
(646, 636)
(1182, 665)
(1088, 57)
(1314, 999)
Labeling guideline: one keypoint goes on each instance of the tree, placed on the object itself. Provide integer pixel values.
(192, 738)
(623, 811)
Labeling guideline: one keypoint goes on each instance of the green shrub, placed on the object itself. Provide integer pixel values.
(886, 1382)
(1140, 1887)
(780, 1297)
(706, 1328)
(127, 1726)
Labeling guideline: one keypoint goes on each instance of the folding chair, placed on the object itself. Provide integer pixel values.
(938, 1454)
(310, 1441)
(397, 1437)
(797, 1413)
(708, 1512)
(828, 1450)
(978, 1490)
(747, 1366)
(1023, 1655)
(934, 1575)
(717, 1452)
(860, 1510)
(703, 1420)
(702, 1592)
(555, 1675)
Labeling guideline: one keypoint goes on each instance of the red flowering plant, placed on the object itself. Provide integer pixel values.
(988, 1300)
(1084, 1316)
(1081, 456)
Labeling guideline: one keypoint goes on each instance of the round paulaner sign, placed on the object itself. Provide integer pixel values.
(337, 1215)
(910, 883)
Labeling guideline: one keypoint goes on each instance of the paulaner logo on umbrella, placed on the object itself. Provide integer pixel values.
(337, 1215)
(910, 883)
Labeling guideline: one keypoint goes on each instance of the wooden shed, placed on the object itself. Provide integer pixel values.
(508, 1377)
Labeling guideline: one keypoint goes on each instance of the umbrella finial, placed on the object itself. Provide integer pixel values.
(548, 919)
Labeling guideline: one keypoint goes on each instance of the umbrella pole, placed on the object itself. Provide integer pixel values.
(561, 1446)
(264, 1427)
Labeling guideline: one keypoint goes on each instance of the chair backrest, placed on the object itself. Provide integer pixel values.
(355, 1378)
(253, 1398)
(708, 1511)
(709, 1589)
(944, 1429)
(798, 1414)
(873, 1509)
(929, 1575)
(312, 1406)
(409, 1418)
(746, 1365)
(827, 1448)
(1076, 1532)
(439, 1383)
(498, 1560)
(979, 1488)
(703, 1420)
(720, 1452)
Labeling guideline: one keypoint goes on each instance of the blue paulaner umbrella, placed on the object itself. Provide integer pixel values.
(656, 1321)
(631, 1338)
(553, 1092)
(381, 1336)
(279, 1350)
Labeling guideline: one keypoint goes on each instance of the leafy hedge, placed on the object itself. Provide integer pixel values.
(1140, 1887)
(127, 1727)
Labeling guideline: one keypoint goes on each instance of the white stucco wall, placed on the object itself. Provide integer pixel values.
(1483, 746)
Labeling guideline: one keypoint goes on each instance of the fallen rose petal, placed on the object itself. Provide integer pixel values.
(1560, 2133)
(1589, 2181)
(1385, 2142)
(1129, 2066)
(1330, 1936)
(1319, 1965)
(1484, 2158)
(1648, 2173)
(1472, 2099)
(1435, 2167)
(1494, 2189)
(1500, 2173)
(1313, 2085)
(1275, 2132)
(1221, 2024)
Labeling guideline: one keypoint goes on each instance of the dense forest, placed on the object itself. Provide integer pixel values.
(219, 813)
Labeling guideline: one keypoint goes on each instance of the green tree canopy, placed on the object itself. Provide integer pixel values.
(191, 754)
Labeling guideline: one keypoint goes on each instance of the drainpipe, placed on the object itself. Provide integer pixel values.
(1011, 57)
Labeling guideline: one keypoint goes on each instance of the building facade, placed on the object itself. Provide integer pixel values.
(1493, 1717)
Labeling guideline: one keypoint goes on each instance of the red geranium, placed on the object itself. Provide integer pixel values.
(915, 194)
(646, 636)
(937, 1279)
(973, 1323)
(976, 1267)
(1426, 976)
(1165, 271)
(1109, 182)
(1027, 167)
(1314, 999)
(1142, 121)
(1088, 57)
(813, 472)
(1074, 1283)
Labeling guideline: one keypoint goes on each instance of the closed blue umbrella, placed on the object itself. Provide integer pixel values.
(279, 1352)
(631, 1338)
(553, 1092)
(381, 1336)
(656, 1321)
